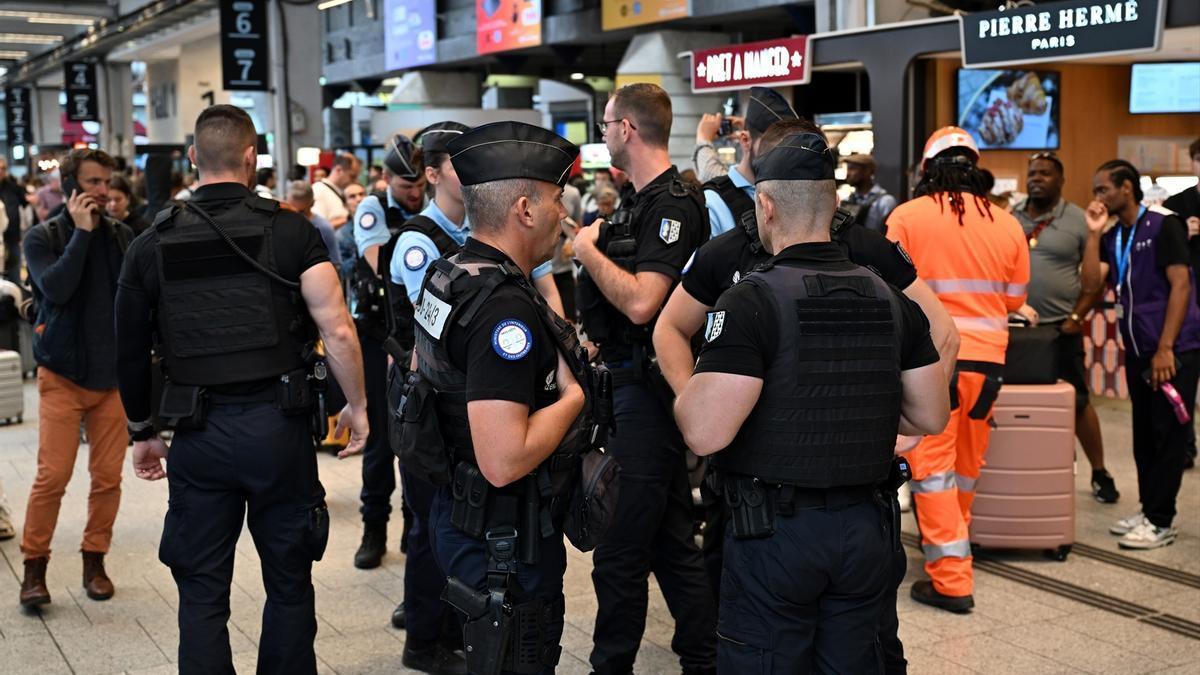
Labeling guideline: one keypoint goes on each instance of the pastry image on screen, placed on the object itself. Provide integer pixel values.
(1010, 109)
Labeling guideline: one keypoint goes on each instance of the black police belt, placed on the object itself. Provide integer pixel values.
(298, 392)
(755, 504)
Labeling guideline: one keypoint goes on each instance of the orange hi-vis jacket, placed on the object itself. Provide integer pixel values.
(979, 269)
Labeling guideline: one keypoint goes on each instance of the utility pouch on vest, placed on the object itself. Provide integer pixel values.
(751, 512)
(469, 490)
(418, 441)
(183, 408)
(294, 393)
(594, 501)
(603, 420)
(900, 473)
(487, 631)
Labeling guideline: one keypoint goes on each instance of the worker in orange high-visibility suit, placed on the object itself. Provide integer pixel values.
(977, 261)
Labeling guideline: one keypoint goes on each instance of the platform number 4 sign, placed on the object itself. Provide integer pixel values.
(79, 78)
(244, 47)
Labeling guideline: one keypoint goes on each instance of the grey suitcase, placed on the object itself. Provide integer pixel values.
(12, 391)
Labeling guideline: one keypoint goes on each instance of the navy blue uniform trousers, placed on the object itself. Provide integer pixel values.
(378, 461)
(424, 611)
(466, 559)
(253, 463)
(807, 598)
(652, 532)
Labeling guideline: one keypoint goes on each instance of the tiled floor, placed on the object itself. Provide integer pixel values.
(1016, 628)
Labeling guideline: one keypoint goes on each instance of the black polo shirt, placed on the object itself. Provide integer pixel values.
(506, 351)
(721, 262)
(749, 338)
(298, 246)
(669, 228)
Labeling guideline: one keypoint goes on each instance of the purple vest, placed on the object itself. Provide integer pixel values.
(1146, 290)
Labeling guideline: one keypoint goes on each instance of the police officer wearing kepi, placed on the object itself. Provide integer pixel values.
(440, 229)
(811, 365)
(499, 374)
(232, 292)
(722, 262)
(630, 263)
(374, 225)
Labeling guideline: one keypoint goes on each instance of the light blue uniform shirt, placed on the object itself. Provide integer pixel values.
(370, 222)
(415, 251)
(720, 218)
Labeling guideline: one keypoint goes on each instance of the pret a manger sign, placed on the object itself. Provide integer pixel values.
(1060, 30)
(770, 62)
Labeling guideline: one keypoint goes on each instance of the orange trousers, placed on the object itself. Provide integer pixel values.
(62, 407)
(945, 468)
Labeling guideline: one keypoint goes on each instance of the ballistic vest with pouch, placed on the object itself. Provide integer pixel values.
(604, 324)
(830, 401)
(740, 204)
(220, 320)
(455, 290)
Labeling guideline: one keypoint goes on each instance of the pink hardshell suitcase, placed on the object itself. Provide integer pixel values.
(1025, 496)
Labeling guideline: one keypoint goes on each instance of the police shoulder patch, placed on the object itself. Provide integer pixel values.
(414, 258)
(367, 221)
(512, 340)
(714, 326)
(668, 230)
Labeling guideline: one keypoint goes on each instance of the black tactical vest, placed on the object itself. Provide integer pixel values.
(740, 204)
(220, 320)
(455, 290)
(605, 324)
(401, 324)
(830, 403)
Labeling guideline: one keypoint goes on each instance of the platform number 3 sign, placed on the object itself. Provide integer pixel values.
(244, 47)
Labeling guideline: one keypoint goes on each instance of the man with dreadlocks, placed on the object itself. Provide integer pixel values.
(975, 258)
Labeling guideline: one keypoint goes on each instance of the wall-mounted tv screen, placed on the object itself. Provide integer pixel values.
(1165, 88)
(1010, 109)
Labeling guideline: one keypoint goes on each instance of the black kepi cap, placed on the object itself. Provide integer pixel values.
(504, 150)
(766, 107)
(399, 157)
(435, 137)
(803, 156)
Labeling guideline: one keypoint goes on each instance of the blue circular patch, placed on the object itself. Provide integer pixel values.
(414, 258)
(511, 339)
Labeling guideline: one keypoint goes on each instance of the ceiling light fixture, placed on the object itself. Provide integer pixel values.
(330, 4)
(49, 17)
(12, 54)
(31, 38)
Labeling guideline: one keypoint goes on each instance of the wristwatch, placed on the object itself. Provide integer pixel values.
(140, 431)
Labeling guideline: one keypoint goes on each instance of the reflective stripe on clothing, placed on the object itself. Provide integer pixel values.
(954, 549)
(964, 483)
(938, 482)
(982, 323)
(975, 286)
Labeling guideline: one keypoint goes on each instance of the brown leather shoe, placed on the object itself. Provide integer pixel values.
(95, 581)
(33, 587)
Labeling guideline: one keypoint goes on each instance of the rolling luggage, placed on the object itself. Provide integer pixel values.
(12, 394)
(1025, 497)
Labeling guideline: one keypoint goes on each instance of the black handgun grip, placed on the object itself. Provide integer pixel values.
(465, 599)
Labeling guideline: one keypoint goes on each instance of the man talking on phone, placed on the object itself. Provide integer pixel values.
(74, 260)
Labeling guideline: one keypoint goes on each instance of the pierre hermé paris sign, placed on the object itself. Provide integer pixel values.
(1056, 31)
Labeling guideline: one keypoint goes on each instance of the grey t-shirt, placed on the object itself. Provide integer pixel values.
(1054, 262)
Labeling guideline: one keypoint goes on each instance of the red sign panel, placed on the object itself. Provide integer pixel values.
(770, 62)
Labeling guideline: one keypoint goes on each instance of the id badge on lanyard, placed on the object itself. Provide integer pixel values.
(1122, 254)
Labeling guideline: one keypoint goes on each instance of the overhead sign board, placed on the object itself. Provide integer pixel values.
(79, 80)
(17, 114)
(410, 33)
(616, 14)
(770, 62)
(501, 25)
(1056, 31)
(245, 56)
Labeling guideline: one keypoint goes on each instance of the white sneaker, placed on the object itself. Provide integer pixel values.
(1127, 525)
(1147, 536)
(904, 496)
(7, 531)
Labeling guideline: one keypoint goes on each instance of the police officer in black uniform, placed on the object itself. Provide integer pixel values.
(811, 365)
(404, 166)
(497, 386)
(630, 264)
(715, 268)
(232, 293)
